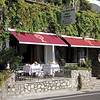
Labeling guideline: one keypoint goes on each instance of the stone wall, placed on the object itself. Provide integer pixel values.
(51, 84)
(25, 88)
(86, 78)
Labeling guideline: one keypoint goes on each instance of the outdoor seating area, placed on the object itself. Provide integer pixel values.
(48, 48)
(37, 70)
(32, 68)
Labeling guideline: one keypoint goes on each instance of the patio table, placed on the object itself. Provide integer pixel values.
(32, 68)
(51, 69)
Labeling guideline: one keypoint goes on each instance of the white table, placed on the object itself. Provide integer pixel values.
(32, 68)
(51, 69)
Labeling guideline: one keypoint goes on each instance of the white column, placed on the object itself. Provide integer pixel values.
(49, 54)
(53, 54)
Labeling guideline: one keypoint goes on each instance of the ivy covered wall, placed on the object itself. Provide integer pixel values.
(46, 17)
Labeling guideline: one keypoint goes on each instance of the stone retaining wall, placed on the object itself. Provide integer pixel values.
(86, 78)
(26, 88)
(43, 85)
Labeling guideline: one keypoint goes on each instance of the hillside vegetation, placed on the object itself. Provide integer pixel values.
(47, 18)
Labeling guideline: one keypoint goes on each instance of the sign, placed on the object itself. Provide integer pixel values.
(68, 16)
(40, 37)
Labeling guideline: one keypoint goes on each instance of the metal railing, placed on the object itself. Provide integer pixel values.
(44, 72)
(20, 75)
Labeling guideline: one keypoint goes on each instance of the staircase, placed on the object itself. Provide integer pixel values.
(97, 84)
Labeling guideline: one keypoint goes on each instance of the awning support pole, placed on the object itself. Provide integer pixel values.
(87, 53)
(53, 53)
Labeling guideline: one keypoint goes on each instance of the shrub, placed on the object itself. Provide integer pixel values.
(78, 66)
(4, 74)
(86, 65)
(9, 56)
(71, 66)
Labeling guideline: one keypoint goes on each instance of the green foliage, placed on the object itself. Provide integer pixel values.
(86, 64)
(57, 2)
(9, 56)
(71, 66)
(47, 18)
(85, 5)
(88, 24)
(80, 66)
(2, 2)
(4, 74)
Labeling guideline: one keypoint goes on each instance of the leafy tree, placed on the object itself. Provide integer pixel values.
(84, 5)
(9, 55)
(57, 2)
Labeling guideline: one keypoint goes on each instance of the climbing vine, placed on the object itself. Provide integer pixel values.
(47, 18)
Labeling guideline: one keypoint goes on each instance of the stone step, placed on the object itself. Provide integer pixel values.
(94, 78)
(97, 83)
(97, 87)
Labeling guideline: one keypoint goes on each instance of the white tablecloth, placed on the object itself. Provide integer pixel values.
(32, 68)
(51, 68)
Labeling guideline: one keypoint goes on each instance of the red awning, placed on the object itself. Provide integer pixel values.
(40, 39)
(79, 42)
(95, 43)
